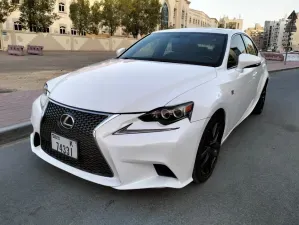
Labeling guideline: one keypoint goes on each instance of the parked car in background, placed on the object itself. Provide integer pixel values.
(157, 114)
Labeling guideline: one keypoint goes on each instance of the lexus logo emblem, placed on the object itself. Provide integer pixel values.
(67, 121)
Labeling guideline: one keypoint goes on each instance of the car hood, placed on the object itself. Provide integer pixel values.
(122, 86)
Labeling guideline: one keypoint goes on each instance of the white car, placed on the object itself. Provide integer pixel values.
(157, 114)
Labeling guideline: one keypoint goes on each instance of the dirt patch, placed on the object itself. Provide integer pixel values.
(23, 81)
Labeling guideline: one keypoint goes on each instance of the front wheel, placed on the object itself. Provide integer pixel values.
(208, 150)
(261, 102)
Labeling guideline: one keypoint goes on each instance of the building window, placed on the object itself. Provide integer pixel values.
(190, 20)
(61, 7)
(183, 14)
(83, 33)
(17, 26)
(32, 28)
(164, 16)
(47, 30)
(74, 31)
(62, 30)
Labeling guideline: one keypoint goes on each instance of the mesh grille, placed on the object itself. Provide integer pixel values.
(90, 158)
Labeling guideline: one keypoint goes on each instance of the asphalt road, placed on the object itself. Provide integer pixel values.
(53, 60)
(256, 180)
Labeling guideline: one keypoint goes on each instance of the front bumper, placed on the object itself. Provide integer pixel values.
(131, 157)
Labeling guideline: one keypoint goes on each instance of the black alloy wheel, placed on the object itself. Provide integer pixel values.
(208, 150)
(261, 102)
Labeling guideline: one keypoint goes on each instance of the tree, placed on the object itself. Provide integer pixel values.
(111, 14)
(80, 15)
(37, 15)
(141, 16)
(152, 16)
(6, 8)
(95, 18)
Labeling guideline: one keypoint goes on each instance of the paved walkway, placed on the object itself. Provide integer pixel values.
(15, 107)
(278, 66)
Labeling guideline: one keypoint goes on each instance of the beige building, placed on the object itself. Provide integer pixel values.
(174, 13)
(234, 23)
(60, 26)
(294, 43)
(200, 19)
(257, 34)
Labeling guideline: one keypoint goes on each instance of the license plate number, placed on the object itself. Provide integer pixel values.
(65, 146)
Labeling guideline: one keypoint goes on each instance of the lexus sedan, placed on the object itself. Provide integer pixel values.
(157, 114)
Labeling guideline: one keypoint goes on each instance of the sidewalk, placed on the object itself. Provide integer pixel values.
(274, 66)
(15, 107)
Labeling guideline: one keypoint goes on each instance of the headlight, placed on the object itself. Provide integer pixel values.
(44, 96)
(169, 115)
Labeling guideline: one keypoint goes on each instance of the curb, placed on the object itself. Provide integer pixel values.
(285, 69)
(15, 132)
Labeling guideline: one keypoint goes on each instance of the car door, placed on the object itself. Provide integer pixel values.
(239, 83)
(256, 71)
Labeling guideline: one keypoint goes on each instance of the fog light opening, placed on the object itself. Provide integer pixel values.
(36, 140)
(164, 171)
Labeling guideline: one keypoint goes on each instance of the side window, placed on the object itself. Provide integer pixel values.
(237, 47)
(250, 48)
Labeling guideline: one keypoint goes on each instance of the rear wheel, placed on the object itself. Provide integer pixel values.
(208, 150)
(260, 104)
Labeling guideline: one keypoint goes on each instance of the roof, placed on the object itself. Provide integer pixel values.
(203, 30)
(214, 19)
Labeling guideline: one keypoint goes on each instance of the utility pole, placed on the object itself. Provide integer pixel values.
(290, 28)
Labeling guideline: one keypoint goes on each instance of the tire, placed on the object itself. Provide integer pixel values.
(261, 102)
(208, 150)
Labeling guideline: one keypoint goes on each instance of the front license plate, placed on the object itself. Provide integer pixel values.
(65, 146)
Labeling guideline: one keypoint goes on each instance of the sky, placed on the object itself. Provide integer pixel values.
(251, 11)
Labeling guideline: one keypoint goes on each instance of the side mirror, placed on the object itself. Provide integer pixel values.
(248, 61)
(120, 51)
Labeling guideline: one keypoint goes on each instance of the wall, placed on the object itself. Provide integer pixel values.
(273, 56)
(58, 42)
(292, 57)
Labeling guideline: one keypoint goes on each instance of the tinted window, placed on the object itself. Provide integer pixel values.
(237, 47)
(250, 46)
(180, 47)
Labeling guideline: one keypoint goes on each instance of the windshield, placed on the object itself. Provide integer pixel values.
(205, 49)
